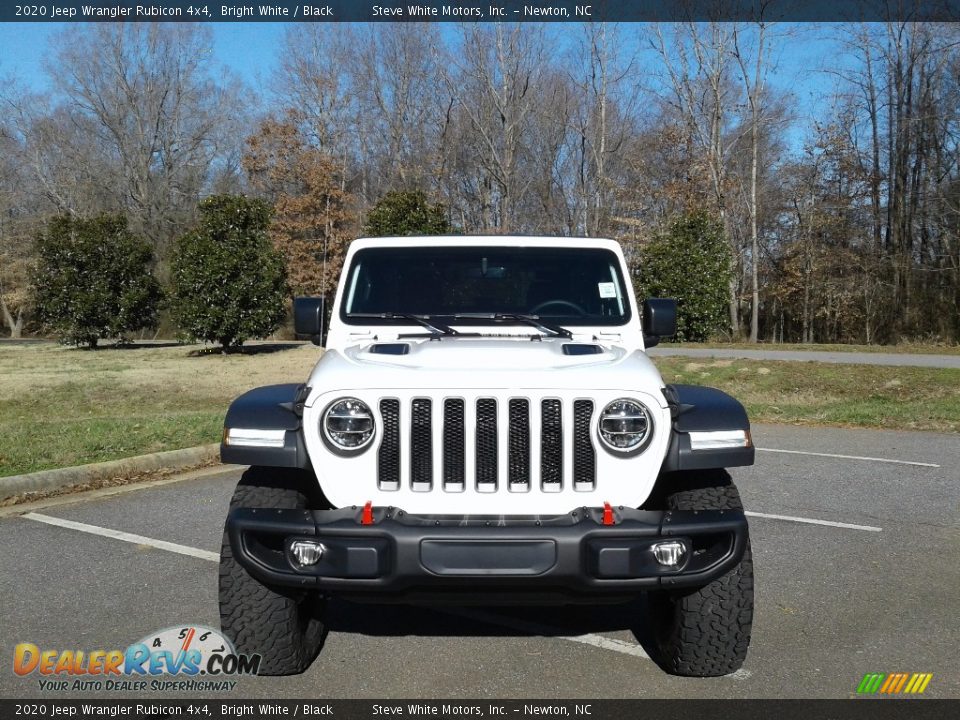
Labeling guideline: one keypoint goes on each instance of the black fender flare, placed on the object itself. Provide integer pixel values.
(272, 407)
(695, 408)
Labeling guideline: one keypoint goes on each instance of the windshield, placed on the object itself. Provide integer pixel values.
(568, 286)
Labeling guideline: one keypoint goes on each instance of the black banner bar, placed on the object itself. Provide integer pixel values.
(859, 709)
(484, 11)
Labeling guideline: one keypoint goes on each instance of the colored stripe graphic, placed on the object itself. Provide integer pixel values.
(900, 683)
(894, 683)
(870, 683)
(922, 682)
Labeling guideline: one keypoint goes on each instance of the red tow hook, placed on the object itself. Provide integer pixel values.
(607, 514)
(366, 517)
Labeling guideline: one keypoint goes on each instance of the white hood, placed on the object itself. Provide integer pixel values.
(485, 362)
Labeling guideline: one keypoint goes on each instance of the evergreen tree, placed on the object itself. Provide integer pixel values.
(229, 283)
(406, 212)
(690, 262)
(93, 281)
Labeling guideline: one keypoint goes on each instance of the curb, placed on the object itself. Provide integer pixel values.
(48, 480)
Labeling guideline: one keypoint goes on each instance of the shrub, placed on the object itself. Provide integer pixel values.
(93, 281)
(690, 262)
(229, 283)
(406, 212)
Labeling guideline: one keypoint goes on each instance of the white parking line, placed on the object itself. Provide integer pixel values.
(849, 457)
(597, 641)
(124, 536)
(812, 521)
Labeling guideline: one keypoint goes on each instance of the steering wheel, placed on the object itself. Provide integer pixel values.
(565, 303)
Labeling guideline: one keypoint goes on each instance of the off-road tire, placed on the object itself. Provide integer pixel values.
(284, 626)
(704, 632)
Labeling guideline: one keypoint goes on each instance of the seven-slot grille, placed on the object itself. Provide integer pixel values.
(514, 450)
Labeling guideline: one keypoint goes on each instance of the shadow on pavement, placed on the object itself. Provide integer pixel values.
(499, 621)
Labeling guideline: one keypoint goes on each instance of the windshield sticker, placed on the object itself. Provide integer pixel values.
(607, 289)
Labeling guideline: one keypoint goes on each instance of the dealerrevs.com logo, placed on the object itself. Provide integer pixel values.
(191, 658)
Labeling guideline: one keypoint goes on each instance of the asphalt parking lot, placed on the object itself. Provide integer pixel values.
(857, 566)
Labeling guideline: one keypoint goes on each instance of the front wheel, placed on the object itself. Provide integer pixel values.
(704, 632)
(285, 627)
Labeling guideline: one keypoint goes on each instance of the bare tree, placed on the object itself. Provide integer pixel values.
(143, 96)
(904, 85)
(603, 72)
(395, 69)
(696, 58)
(14, 239)
(754, 80)
(70, 173)
(549, 204)
(495, 80)
(315, 85)
(14, 252)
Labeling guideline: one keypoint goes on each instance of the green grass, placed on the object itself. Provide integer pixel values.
(905, 348)
(61, 407)
(81, 441)
(97, 416)
(904, 398)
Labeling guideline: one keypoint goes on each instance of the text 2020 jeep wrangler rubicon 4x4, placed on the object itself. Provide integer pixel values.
(486, 427)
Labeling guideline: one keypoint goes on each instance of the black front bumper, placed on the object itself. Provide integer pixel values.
(400, 554)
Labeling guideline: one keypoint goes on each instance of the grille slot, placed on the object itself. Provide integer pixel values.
(476, 445)
(388, 456)
(421, 444)
(584, 456)
(519, 445)
(551, 445)
(486, 455)
(454, 445)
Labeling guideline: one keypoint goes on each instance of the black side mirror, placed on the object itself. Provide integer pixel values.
(659, 319)
(308, 318)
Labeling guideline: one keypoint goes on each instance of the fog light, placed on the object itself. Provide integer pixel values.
(307, 552)
(670, 553)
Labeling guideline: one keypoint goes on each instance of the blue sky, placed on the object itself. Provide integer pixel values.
(250, 49)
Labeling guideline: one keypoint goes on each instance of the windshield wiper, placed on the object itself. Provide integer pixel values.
(531, 320)
(435, 328)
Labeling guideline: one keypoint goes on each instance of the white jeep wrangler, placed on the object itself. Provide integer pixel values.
(485, 427)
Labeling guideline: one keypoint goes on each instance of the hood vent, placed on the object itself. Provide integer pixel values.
(581, 349)
(390, 349)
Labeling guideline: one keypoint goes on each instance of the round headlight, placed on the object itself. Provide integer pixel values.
(625, 426)
(348, 425)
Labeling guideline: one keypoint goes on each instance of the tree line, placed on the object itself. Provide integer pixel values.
(673, 139)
